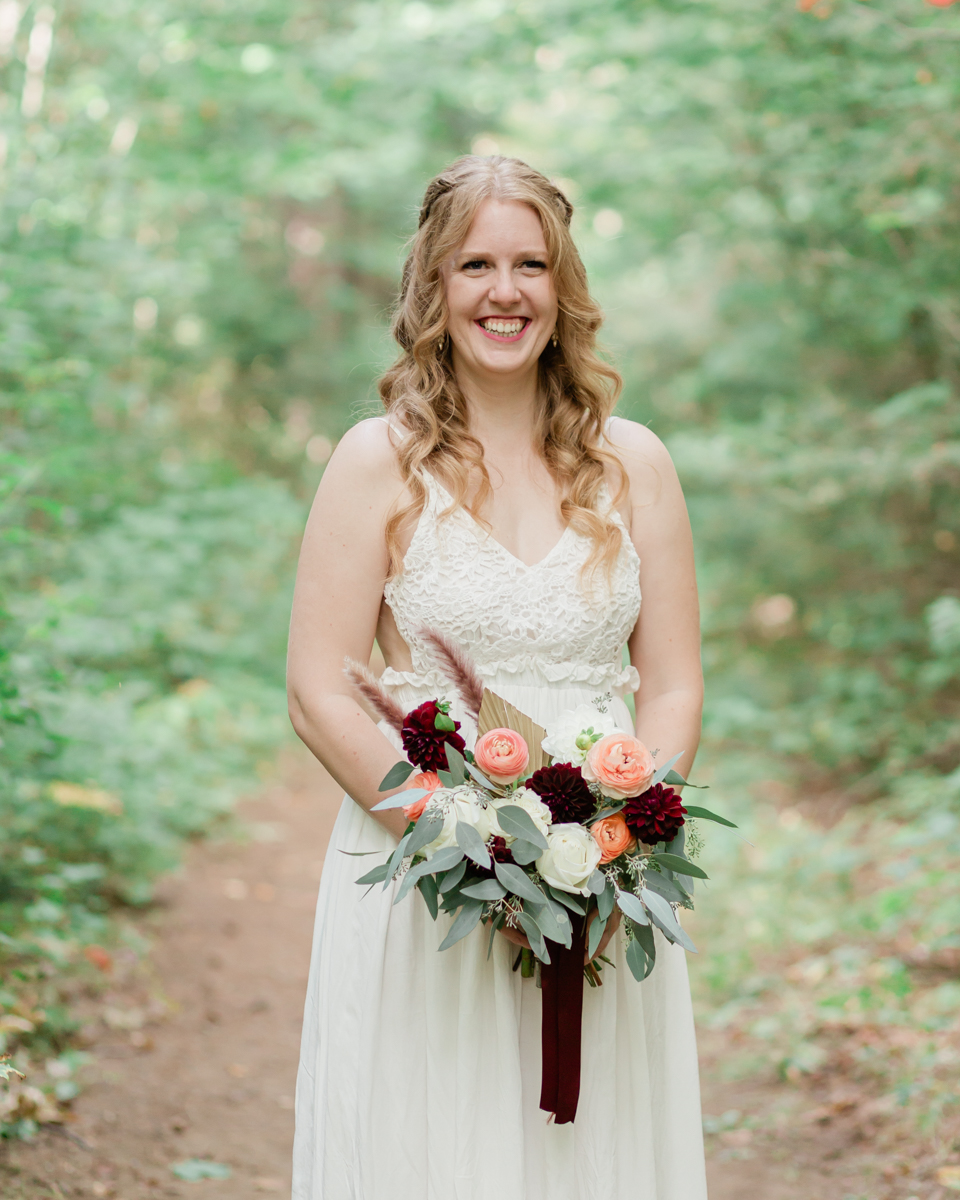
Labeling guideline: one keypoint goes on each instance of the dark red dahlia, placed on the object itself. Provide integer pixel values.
(499, 852)
(655, 816)
(564, 791)
(424, 742)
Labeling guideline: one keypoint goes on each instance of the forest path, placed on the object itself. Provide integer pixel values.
(195, 1043)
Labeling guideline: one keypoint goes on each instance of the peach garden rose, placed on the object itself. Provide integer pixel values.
(502, 755)
(613, 837)
(620, 765)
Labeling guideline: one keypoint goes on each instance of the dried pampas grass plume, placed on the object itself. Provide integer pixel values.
(457, 667)
(373, 691)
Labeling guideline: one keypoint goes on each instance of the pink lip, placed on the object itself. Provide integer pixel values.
(498, 337)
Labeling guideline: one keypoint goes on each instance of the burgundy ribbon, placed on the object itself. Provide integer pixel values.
(562, 997)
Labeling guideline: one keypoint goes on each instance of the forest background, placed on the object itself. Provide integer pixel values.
(202, 215)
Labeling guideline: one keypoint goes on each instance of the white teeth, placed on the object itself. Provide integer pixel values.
(505, 328)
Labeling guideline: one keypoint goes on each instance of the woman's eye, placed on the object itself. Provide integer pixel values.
(475, 264)
(535, 264)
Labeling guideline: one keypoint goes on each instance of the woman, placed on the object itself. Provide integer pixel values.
(497, 503)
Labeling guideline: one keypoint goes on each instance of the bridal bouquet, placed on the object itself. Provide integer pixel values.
(544, 830)
(538, 826)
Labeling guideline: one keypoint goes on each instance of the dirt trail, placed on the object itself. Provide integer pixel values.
(195, 1045)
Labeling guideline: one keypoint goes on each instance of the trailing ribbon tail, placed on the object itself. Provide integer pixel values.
(561, 1026)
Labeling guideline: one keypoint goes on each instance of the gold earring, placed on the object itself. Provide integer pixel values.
(555, 340)
(441, 343)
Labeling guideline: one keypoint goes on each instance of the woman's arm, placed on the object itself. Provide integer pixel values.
(665, 645)
(336, 604)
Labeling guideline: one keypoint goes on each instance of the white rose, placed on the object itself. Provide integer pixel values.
(462, 803)
(571, 857)
(572, 733)
(531, 804)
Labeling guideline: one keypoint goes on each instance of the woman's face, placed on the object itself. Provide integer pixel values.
(501, 302)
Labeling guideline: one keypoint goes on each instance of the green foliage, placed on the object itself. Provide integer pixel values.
(201, 224)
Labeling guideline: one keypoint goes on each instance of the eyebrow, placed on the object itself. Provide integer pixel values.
(466, 255)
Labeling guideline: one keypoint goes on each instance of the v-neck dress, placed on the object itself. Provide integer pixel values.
(419, 1071)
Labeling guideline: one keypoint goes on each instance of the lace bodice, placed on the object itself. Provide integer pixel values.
(512, 619)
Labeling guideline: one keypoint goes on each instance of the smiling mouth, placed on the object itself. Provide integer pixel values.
(503, 329)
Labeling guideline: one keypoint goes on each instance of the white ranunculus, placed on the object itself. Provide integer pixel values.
(571, 857)
(531, 804)
(571, 734)
(463, 803)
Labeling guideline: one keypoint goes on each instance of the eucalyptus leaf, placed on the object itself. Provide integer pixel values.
(597, 882)
(494, 926)
(534, 936)
(447, 779)
(479, 777)
(472, 844)
(518, 882)
(399, 799)
(675, 779)
(553, 921)
(661, 912)
(564, 898)
(666, 887)
(453, 876)
(465, 922)
(396, 858)
(486, 889)
(516, 822)
(409, 881)
(683, 866)
(606, 901)
(628, 903)
(428, 890)
(704, 814)
(398, 773)
(597, 927)
(446, 858)
(524, 853)
(664, 771)
(426, 830)
(456, 763)
(377, 875)
(359, 853)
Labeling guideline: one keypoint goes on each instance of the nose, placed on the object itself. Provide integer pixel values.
(504, 290)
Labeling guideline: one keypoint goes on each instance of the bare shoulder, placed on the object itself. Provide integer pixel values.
(364, 465)
(645, 459)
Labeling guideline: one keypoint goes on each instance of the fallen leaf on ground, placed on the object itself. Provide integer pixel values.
(194, 1169)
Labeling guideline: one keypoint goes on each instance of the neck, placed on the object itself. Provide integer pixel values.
(502, 411)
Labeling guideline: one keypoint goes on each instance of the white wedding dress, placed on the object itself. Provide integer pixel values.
(420, 1071)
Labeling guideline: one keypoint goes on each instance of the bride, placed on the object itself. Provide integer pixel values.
(498, 502)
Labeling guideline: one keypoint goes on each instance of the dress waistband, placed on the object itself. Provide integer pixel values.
(526, 670)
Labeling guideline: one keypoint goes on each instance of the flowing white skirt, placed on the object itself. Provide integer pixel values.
(420, 1071)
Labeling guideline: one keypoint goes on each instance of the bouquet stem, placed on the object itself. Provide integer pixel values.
(526, 963)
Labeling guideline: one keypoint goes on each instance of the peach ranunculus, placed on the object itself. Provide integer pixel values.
(429, 780)
(613, 837)
(621, 765)
(502, 754)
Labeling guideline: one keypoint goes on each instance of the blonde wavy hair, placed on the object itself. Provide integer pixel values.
(578, 390)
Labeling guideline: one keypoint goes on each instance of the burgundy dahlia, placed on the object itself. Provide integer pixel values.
(564, 791)
(655, 816)
(424, 742)
(499, 852)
